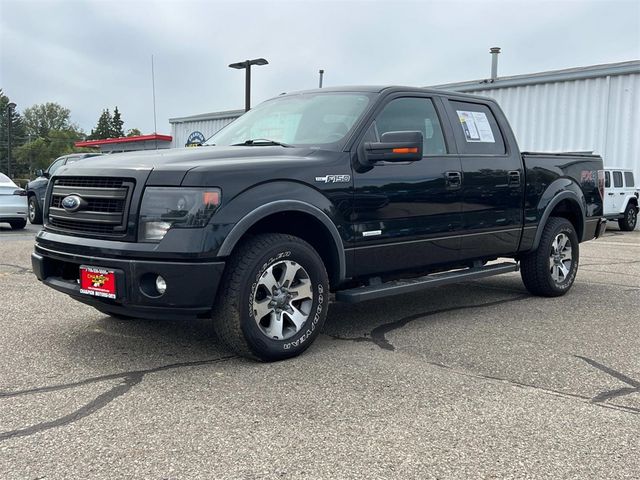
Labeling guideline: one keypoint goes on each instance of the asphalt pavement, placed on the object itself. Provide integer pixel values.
(477, 380)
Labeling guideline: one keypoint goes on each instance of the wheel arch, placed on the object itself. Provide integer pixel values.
(567, 205)
(297, 218)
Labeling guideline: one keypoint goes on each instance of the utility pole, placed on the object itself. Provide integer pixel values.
(247, 79)
(10, 108)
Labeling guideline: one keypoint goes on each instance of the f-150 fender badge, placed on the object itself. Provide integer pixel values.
(334, 179)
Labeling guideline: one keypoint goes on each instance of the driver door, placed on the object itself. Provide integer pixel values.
(409, 215)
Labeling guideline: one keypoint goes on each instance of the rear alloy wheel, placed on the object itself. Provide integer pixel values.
(273, 298)
(551, 269)
(35, 214)
(630, 219)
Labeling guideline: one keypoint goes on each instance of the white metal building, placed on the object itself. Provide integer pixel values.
(595, 108)
(206, 123)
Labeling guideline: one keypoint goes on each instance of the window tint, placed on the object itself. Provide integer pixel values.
(55, 165)
(628, 179)
(617, 179)
(413, 114)
(607, 179)
(477, 131)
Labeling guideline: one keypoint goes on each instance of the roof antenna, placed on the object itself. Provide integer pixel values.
(321, 72)
(153, 87)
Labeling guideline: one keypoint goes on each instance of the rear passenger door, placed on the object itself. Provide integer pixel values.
(492, 181)
(618, 191)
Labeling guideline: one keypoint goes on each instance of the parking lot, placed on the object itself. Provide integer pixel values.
(478, 380)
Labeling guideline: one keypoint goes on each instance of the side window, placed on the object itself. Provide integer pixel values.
(617, 179)
(54, 166)
(413, 114)
(607, 179)
(476, 131)
(628, 179)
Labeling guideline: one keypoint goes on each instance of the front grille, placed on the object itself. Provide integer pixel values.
(104, 208)
(96, 182)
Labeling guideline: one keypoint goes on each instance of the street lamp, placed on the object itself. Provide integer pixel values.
(247, 87)
(10, 108)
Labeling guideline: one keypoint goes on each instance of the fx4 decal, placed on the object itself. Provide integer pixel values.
(334, 179)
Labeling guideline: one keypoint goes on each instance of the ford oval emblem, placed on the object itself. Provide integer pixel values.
(72, 203)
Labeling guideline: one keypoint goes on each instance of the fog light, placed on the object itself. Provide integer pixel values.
(161, 285)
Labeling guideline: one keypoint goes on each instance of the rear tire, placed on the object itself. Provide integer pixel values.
(35, 213)
(18, 224)
(551, 270)
(273, 298)
(630, 219)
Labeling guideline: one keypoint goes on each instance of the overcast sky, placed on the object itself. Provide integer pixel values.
(90, 55)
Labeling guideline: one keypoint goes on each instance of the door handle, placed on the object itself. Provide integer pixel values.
(514, 178)
(453, 180)
(610, 194)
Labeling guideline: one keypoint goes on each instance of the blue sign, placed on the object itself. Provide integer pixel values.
(195, 139)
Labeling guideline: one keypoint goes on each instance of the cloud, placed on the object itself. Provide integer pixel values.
(96, 54)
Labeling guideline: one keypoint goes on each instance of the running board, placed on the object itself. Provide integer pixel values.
(397, 287)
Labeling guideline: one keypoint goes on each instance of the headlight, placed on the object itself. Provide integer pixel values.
(164, 208)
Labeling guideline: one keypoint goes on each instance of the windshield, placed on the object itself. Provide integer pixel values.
(306, 119)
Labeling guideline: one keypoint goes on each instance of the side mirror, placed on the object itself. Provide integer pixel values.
(395, 147)
(40, 173)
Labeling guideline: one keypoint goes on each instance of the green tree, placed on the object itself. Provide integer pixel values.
(40, 119)
(18, 136)
(104, 128)
(133, 132)
(116, 124)
(39, 153)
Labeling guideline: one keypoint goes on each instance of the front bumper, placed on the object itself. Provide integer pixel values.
(191, 286)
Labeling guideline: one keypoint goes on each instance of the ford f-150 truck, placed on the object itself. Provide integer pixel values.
(341, 193)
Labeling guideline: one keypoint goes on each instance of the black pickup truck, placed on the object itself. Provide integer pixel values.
(344, 193)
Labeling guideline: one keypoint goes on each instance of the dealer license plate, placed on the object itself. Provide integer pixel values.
(98, 282)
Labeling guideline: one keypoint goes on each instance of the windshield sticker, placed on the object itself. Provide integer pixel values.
(475, 126)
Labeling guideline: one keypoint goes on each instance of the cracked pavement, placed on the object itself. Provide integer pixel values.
(477, 380)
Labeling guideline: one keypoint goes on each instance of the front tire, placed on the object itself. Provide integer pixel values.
(273, 299)
(18, 224)
(35, 213)
(551, 270)
(630, 219)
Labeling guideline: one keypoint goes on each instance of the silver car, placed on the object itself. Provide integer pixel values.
(13, 203)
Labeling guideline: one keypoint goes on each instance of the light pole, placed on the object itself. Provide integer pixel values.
(247, 86)
(10, 108)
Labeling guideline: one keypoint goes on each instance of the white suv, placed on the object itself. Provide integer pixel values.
(621, 197)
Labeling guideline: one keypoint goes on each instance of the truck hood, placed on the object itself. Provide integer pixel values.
(169, 166)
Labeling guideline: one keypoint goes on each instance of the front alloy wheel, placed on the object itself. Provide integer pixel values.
(273, 297)
(282, 300)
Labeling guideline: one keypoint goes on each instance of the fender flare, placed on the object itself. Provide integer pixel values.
(566, 195)
(240, 228)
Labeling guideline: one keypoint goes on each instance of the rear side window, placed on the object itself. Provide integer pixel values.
(628, 179)
(617, 179)
(476, 129)
(607, 179)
